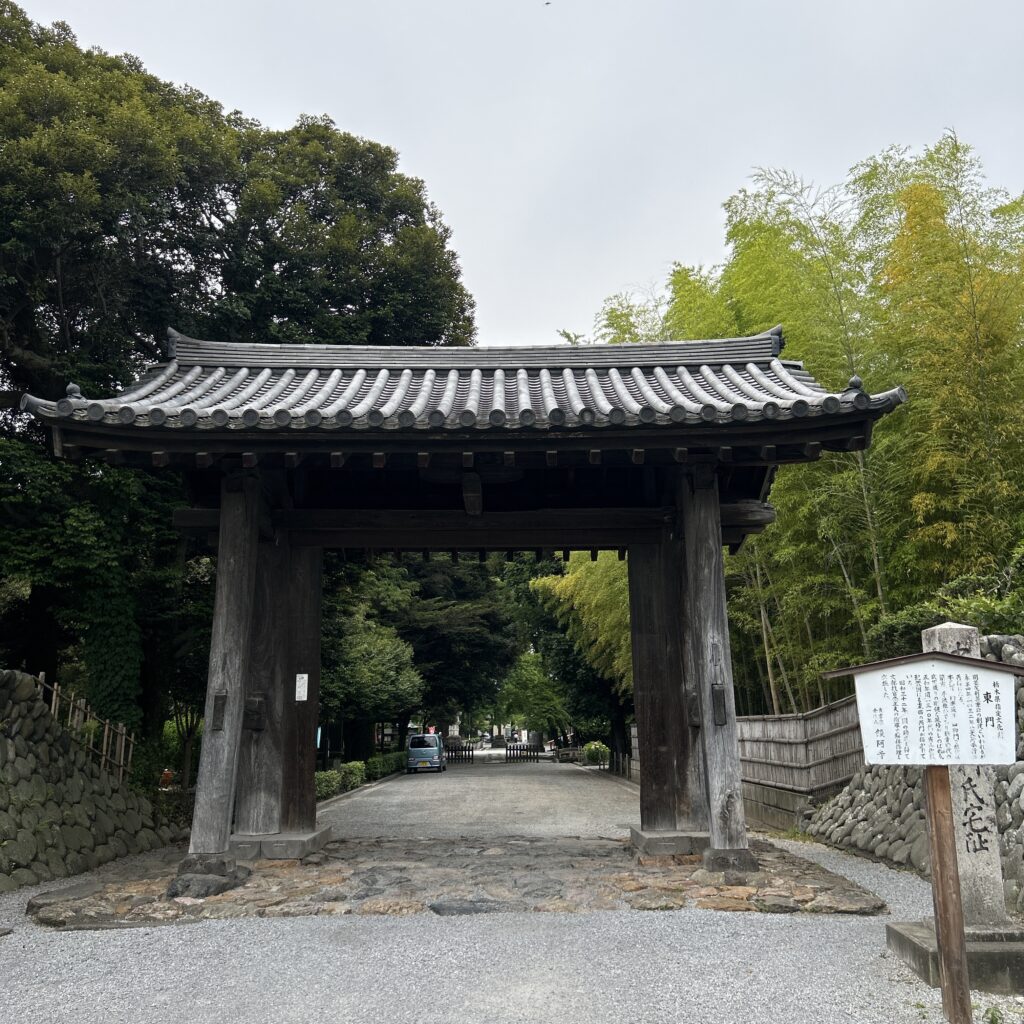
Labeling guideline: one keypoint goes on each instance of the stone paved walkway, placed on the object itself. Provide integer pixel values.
(440, 844)
(676, 967)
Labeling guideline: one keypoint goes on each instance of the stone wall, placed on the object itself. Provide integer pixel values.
(59, 814)
(880, 813)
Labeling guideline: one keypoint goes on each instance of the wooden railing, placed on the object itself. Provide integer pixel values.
(457, 754)
(622, 765)
(108, 743)
(522, 752)
(789, 761)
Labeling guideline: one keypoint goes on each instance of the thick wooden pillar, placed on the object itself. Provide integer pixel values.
(671, 784)
(709, 666)
(302, 612)
(275, 791)
(229, 665)
(657, 693)
(260, 765)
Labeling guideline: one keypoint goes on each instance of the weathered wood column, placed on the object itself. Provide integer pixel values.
(275, 792)
(229, 665)
(261, 765)
(303, 597)
(709, 666)
(673, 811)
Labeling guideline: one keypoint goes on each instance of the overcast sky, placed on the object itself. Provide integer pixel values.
(578, 147)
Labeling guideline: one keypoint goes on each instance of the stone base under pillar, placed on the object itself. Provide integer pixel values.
(279, 845)
(653, 843)
(729, 860)
(995, 956)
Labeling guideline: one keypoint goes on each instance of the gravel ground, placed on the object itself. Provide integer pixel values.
(678, 966)
(543, 800)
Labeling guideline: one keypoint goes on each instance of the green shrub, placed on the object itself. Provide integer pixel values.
(327, 784)
(384, 764)
(352, 775)
(149, 758)
(596, 752)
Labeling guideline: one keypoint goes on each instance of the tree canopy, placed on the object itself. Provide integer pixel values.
(910, 272)
(128, 205)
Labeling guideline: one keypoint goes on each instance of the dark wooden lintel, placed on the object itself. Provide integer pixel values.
(575, 527)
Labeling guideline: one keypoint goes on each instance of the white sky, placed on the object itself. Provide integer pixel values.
(578, 148)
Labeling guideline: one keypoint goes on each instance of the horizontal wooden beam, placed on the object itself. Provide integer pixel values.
(574, 529)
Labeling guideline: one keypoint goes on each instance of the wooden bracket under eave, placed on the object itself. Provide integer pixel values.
(472, 494)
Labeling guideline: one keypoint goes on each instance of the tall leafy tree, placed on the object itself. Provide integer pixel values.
(128, 204)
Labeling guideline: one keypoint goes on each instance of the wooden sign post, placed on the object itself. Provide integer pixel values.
(936, 710)
(949, 912)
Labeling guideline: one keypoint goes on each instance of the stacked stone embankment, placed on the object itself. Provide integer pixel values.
(59, 813)
(881, 812)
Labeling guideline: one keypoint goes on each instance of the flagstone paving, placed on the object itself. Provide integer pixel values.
(456, 877)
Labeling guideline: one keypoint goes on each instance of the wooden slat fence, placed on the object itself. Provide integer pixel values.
(457, 754)
(789, 761)
(108, 743)
(624, 766)
(517, 752)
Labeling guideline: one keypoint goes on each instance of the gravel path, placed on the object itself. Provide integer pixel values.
(487, 799)
(681, 966)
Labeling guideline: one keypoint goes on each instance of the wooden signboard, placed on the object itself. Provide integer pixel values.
(937, 710)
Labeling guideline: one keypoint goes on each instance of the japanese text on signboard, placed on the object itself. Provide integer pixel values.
(934, 713)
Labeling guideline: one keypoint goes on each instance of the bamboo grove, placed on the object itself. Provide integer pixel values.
(910, 272)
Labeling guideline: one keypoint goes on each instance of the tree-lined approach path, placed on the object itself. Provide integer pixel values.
(489, 799)
(685, 965)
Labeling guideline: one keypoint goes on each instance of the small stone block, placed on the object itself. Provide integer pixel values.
(207, 864)
(995, 956)
(294, 845)
(245, 847)
(668, 844)
(729, 860)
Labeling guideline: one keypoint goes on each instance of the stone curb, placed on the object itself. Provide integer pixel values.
(364, 788)
(633, 787)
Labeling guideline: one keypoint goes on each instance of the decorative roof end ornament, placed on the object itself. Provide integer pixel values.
(171, 344)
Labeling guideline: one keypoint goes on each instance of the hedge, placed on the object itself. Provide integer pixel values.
(385, 764)
(352, 774)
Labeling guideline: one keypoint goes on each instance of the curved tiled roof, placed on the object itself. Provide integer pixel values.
(207, 385)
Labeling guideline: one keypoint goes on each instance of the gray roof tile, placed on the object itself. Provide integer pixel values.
(249, 387)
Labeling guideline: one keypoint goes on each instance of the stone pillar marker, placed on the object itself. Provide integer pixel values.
(972, 789)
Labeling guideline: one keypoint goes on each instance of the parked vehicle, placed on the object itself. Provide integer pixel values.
(426, 751)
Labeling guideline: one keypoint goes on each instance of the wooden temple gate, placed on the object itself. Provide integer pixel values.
(667, 451)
